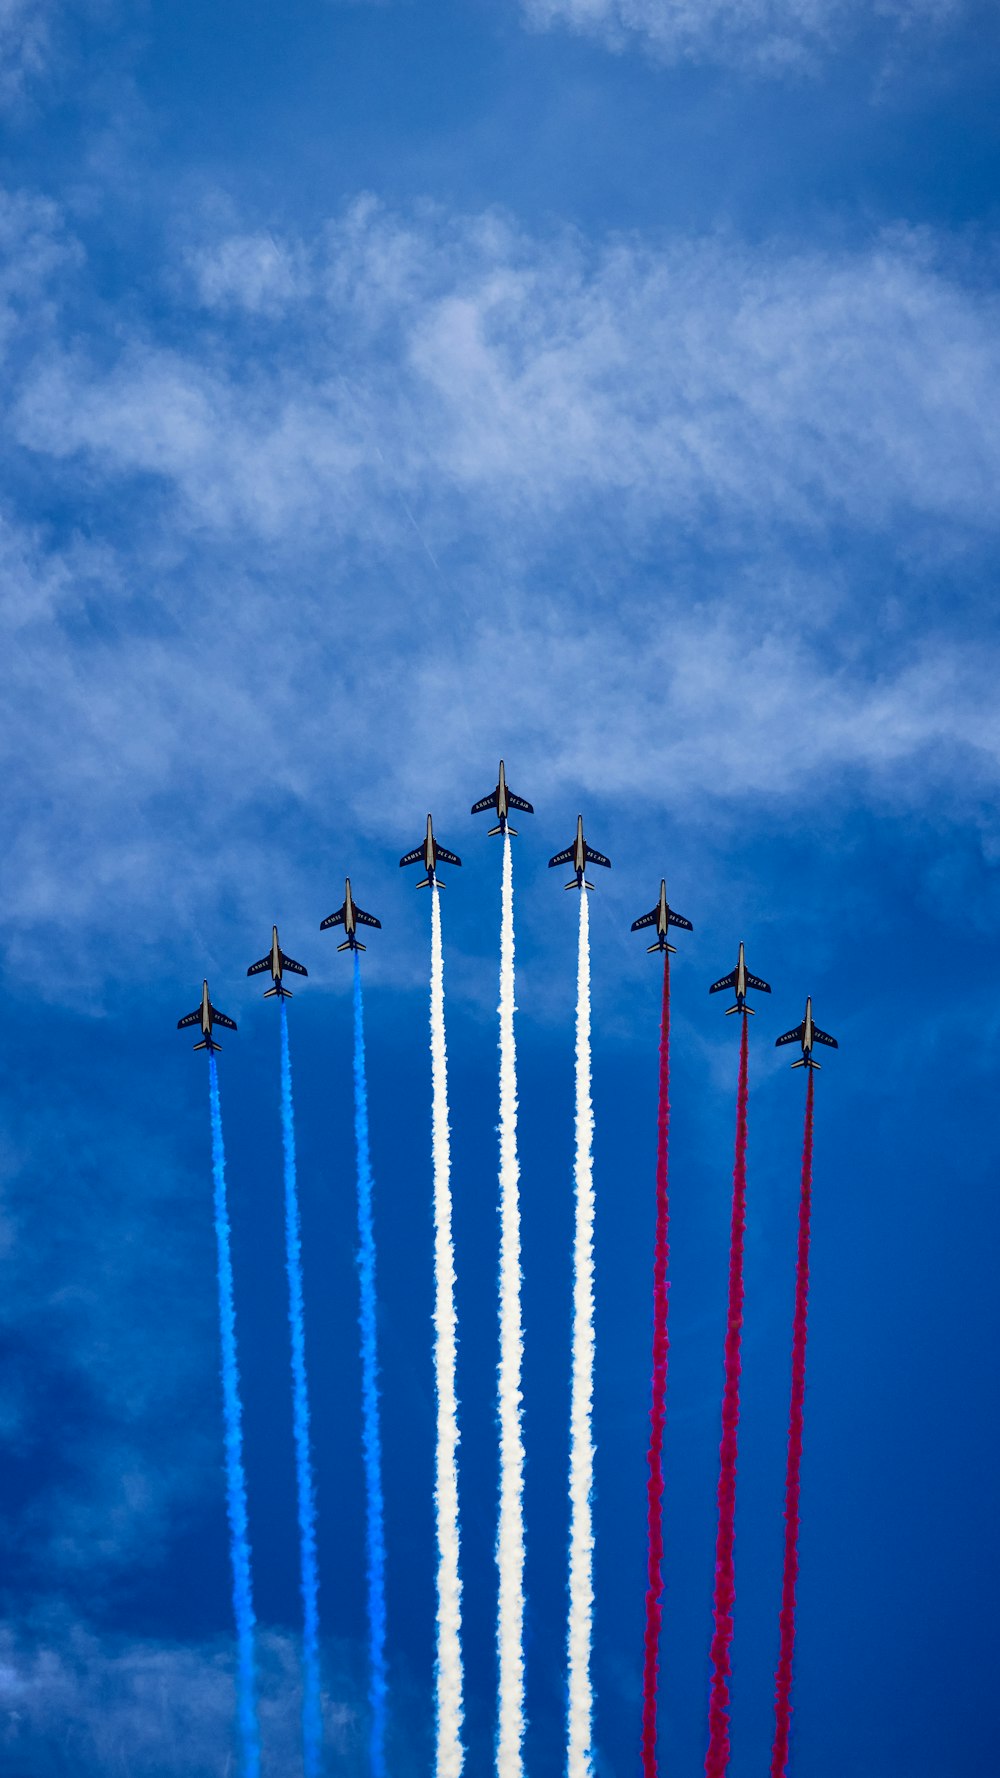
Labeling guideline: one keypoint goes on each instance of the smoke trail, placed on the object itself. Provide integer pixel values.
(450, 1754)
(657, 1414)
(510, 1534)
(783, 1677)
(371, 1432)
(236, 1483)
(717, 1758)
(579, 1756)
(312, 1716)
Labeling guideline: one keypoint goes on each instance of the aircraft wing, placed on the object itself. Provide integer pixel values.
(824, 1037)
(220, 1018)
(724, 981)
(518, 802)
(190, 1018)
(413, 857)
(646, 919)
(290, 963)
(336, 919)
(366, 919)
(679, 920)
(264, 963)
(593, 857)
(795, 1036)
(754, 981)
(443, 857)
(562, 857)
(487, 802)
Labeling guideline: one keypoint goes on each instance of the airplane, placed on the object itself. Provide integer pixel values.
(431, 854)
(348, 917)
(579, 855)
(807, 1034)
(276, 961)
(665, 917)
(502, 801)
(206, 1015)
(740, 980)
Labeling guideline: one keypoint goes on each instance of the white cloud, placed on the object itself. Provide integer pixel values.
(436, 483)
(772, 36)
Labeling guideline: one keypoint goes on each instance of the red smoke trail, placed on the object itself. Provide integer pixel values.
(657, 1413)
(783, 1677)
(717, 1758)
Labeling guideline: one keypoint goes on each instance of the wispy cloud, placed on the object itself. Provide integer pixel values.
(405, 488)
(770, 36)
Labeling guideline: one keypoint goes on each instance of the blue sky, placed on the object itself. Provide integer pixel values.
(613, 385)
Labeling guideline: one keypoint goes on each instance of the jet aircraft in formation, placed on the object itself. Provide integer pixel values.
(348, 916)
(432, 854)
(807, 1034)
(664, 916)
(206, 1015)
(502, 800)
(740, 979)
(579, 855)
(277, 962)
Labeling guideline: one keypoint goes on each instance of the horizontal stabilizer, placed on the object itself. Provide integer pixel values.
(660, 946)
(280, 990)
(208, 1044)
(494, 830)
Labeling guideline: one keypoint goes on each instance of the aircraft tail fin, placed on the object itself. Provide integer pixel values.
(586, 884)
(425, 883)
(347, 945)
(207, 1044)
(280, 990)
(497, 829)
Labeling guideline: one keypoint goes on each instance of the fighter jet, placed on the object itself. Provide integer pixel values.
(502, 801)
(348, 917)
(807, 1034)
(664, 916)
(206, 1015)
(276, 961)
(579, 855)
(740, 980)
(432, 855)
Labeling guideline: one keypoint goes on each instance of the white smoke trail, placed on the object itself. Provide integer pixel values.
(510, 1533)
(450, 1755)
(579, 1752)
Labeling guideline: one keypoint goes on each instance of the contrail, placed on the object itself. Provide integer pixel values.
(717, 1758)
(657, 1413)
(450, 1755)
(236, 1482)
(312, 1710)
(579, 1753)
(378, 1684)
(783, 1678)
(510, 1534)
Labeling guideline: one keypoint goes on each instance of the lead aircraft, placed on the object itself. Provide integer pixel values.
(502, 801)
(276, 962)
(740, 980)
(348, 917)
(807, 1034)
(664, 916)
(430, 852)
(206, 1015)
(579, 855)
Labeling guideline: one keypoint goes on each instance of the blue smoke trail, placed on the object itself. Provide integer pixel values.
(378, 1685)
(236, 1484)
(312, 1710)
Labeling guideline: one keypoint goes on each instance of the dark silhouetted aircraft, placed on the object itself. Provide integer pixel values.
(664, 917)
(740, 979)
(502, 800)
(579, 855)
(432, 855)
(206, 1015)
(807, 1034)
(348, 917)
(276, 961)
